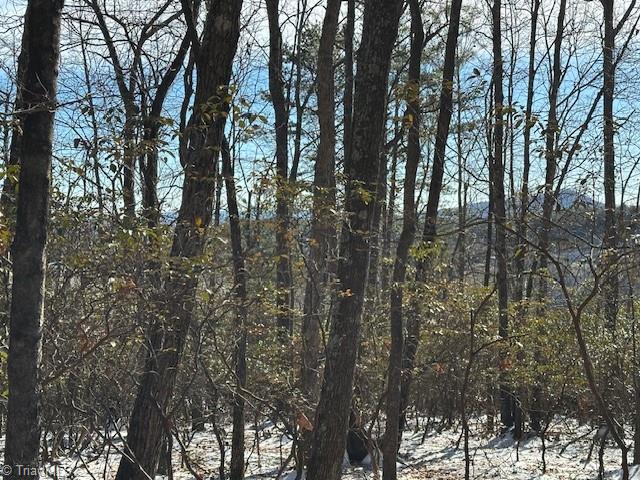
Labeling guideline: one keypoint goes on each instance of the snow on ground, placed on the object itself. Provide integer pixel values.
(439, 457)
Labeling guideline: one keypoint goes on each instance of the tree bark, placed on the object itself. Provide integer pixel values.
(324, 200)
(549, 201)
(521, 248)
(349, 32)
(166, 339)
(380, 28)
(445, 111)
(610, 287)
(551, 155)
(281, 110)
(394, 370)
(240, 291)
(41, 52)
(496, 174)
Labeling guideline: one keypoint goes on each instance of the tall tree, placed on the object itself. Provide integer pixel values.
(37, 94)
(240, 291)
(496, 178)
(521, 248)
(609, 159)
(379, 31)
(323, 232)
(203, 135)
(551, 157)
(324, 200)
(281, 110)
(394, 371)
(551, 134)
(445, 111)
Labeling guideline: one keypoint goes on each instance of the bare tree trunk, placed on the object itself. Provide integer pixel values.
(380, 28)
(148, 422)
(551, 155)
(610, 235)
(299, 102)
(549, 201)
(521, 248)
(486, 279)
(240, 291)
(445, 112)
(93, 153)
(496, 172)
(38, 85)
(376, 233)
(348, 78)
(322, 237)
(128, 169)
(276, 88)
(391, 204)
(463, 187)
(131, 111)
(394, 371)
(324, 200)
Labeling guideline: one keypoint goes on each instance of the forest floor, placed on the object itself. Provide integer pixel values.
(439, 457)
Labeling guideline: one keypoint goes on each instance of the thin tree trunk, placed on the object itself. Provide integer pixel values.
(38, 85)
(463, 186)
(131, 111)
(322, 238)
(93, 154)
(300, 104)
(610, 236)
(128, 169)
(152, 125)
(548, 203)
(348, 78)
(380, 28)
(240, 291)
(394, 370)
(551, 155)
(148, 422)
(445, 111)
(391, 204)
(496, 173)
(324, 200)
(374, 243)
(276, 88)
(521, 248)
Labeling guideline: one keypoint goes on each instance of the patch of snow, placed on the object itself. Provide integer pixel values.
(440, 456)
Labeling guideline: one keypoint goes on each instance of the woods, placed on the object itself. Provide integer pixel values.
(317, 240)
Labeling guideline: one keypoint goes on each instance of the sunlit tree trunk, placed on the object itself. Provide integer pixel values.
(166, 339)
(323, 231)
(37, 94)
(496, 177)
(610, 286)
(394, 371)
(380, 27)
(240, 292)
(445, 111)
(324, 199)
(283, 193)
